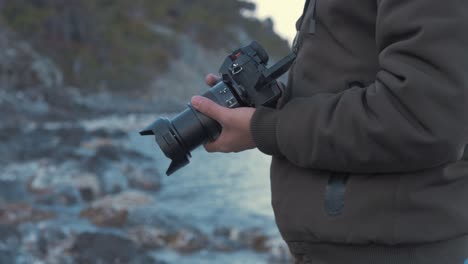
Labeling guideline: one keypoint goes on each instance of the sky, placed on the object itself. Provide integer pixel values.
(283, 13)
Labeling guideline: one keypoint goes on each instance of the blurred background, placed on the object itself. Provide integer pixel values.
(78, 80)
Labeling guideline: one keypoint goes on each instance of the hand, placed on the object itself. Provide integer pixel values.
(235, 136)
(212, 79)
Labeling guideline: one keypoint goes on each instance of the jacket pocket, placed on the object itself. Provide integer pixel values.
(335, 193)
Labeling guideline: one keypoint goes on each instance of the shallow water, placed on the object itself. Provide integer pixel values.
(216, 190)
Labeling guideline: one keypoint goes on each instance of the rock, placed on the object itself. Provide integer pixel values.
(254, 239)
(124, 200)
(223, 245)
(112, 180)
(14, 214)
(7, 255)
(50, 177)
(227, 232)
(49, 238)
(105, 217)
(101, 248)
(228, 239)
(113, 210)
(187, 241)
(279, 253)
(9, 237)
(59, 144)
(87, 185)
(148, 179)
(20, 172)
(155, 216)
(62, 195)
(22, 67)
(107, 152)
(12, 191)
(148, 237)
(45, 242)
(107, 133)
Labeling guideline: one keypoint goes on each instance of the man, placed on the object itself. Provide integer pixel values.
(367, 146)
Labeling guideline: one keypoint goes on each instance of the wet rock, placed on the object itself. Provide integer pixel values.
(255, 239)
(148, 237)
(226, 240)
(105, 217)
(58, 144)
(49, 238)
(45, 242)
(124, 201)
(113, 210)
(224, 245)
(7, 255)
(49, 174)
(154, 216)
(113, 180)
(101, 248)
(51, 177)
(187, 241)
(106, 133)
(20, 172)
(279, 253)
(87, 185)
(148, 179)
(14, 214)
(63, 195)
(229, 239)
(12, 191)
(10, 237)
(107, 152)
(70, 135)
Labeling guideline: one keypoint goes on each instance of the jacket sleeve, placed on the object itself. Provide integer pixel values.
(413, 117)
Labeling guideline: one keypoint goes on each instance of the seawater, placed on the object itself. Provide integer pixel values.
(215, 190)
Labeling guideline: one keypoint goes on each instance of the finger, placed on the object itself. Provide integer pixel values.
(210, 147)
(281, 86)
(214, 147)
(212, 79)
(210, 108)
(280, 101)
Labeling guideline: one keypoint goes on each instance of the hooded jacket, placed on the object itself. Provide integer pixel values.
(368, 147)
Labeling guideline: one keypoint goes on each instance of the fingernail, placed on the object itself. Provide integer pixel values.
(196, 101)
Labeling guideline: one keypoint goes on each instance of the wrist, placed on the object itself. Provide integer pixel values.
(263, 130)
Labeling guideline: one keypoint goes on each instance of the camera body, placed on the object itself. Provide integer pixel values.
(246, 81)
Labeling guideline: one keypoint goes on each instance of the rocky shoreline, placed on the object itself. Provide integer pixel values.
(75, 191)
(73, 188)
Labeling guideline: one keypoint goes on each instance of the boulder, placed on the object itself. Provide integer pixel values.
(147, 179)
(99, 248)
(148, 237)
(113, 210)
(18, 213)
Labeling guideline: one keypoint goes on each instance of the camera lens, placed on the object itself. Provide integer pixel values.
(189, 129)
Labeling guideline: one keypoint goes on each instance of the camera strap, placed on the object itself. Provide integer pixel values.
(308, 15)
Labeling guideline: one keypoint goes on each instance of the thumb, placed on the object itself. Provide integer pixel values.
(209, 108)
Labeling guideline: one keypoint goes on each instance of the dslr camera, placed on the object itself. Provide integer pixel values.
(246, 81)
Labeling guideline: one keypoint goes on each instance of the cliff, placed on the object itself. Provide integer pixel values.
(132, 46)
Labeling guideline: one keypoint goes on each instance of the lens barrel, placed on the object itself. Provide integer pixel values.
(189, 129)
